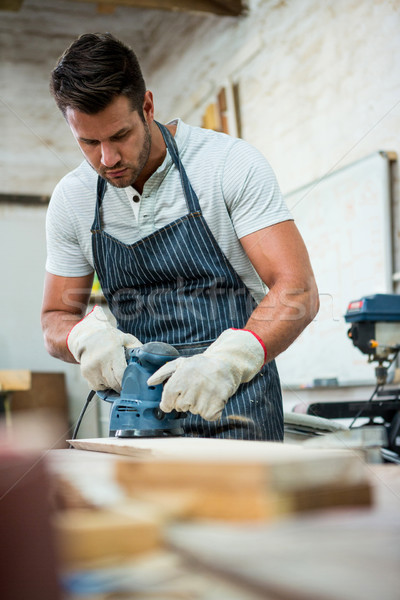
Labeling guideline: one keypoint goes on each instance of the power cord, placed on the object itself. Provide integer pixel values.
(359, 414)
(79, 421)
(378, 386)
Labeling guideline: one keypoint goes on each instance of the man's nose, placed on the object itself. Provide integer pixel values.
(109, 155)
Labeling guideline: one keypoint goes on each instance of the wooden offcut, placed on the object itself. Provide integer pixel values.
(105, 8)
(235, 479)
(14, 380)
(85, 536)
(233, 8)
(45, 391)
(13, 5)
(227, 491)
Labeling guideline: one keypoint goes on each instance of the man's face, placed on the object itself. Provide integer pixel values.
(115, 141)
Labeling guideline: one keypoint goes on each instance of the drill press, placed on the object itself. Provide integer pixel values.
(375, 331)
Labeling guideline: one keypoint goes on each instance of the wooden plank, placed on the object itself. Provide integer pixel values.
(14, 5)
(91, 535)
(343, 555)
(47, 401)
(211, 118)
(237, 110)
(232, 8)
(220, 505)
(223, 109)
(352, 555)
(13, 380)
(46, 390)
(105, 8)
(206, 490)
(234, 479)
(234, 491)
(288, 464)
(23, 199)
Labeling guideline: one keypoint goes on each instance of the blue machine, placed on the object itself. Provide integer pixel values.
(378, 307)
(375, 328)
(135, 412)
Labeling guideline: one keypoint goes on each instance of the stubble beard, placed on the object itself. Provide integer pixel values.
(135, 170)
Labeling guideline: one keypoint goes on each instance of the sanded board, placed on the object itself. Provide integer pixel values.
(234, 479)
(233, 492)
(288, 464)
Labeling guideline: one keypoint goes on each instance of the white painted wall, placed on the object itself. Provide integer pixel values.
(320, 88)
(319, 81)
(23, 253)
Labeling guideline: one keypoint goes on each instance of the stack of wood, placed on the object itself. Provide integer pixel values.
(192, 479)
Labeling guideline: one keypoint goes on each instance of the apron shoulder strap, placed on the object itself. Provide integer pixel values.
(190, 195)
(101, 190)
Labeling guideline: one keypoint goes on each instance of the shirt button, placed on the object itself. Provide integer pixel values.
(136, 198)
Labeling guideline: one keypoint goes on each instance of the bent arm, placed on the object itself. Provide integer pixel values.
(65, 301)
(280, 257)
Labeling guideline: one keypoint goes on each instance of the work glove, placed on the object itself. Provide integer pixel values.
(202, 384)
(100, 349)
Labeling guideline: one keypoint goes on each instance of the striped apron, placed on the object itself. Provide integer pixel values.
(177, 286)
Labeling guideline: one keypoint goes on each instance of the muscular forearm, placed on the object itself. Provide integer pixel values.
(283, 314)
(65, 302)
(280, 257)
(56, 325)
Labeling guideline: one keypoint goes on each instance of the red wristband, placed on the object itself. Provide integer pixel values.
(257, 337)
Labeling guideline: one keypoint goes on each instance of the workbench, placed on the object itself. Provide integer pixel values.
(336, 554)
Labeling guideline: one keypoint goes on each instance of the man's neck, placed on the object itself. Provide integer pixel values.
(157, 154)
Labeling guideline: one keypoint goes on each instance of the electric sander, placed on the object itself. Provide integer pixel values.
(135, 412)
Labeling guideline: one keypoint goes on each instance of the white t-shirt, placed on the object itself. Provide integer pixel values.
(236, 187)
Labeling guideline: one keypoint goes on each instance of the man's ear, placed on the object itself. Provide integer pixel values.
(148, 107)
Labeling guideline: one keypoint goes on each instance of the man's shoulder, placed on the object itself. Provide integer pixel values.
(205, 145)
(192, 134)
(81, 180)
(208, 147)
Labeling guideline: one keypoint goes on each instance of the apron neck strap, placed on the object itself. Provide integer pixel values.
(101, 190)
(191, 198)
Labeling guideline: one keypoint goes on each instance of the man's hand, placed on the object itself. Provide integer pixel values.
(202, 384)
(100, 349)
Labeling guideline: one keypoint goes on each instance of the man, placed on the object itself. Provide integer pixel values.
(185, 228)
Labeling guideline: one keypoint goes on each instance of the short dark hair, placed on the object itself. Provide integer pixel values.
(95, 69)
